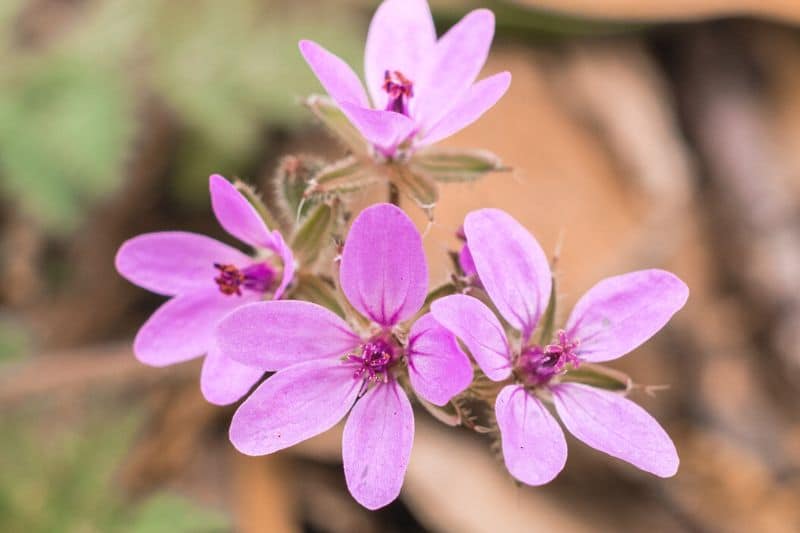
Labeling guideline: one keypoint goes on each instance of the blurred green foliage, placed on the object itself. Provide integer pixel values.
(71, 106)
(15, 338)
(60, 479)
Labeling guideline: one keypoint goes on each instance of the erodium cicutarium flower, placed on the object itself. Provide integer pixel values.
(611, 319)
(327, 368)
(206, 279)
(421, 89)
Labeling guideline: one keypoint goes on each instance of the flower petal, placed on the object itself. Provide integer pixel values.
(236, 215)
(335, 75)
(293, 405)
(480, 331)
(287, 258)
(479, 99)
(383, 271)
(183, 327)
(511, 265)
(224, 381)
(458, 59)
(620, 313)
(281, 333)
(401, 37)
(376, 445)
(466, 262)
(608, 422)
(385, 129)
(534, 447)
(438, 369)
(174, 262)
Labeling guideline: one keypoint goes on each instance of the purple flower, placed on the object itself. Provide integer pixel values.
(326, 368)
(206, 280)
(611, 319)
(421, 89)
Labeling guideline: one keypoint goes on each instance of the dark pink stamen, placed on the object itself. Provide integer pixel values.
(374, 362)
(231, 280)
(400, 90)
(538, 365)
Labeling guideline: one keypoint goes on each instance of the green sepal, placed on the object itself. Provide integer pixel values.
(549, 319)
(439, 292)
(337, 123)
(449, 165)
(413, 183)
(314, 234)
(447, 414)
(255, 200)
(291, 179)
(318, 290)
(600, 377)
(346, 175)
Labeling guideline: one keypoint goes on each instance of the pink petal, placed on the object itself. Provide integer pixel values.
(278, 334)
(376, 445)
(438, 369)
(287, 258)
(620, 313)
(174, 262)
(385, 129)
(383, 271)
(224, 381)
(534, 447)
(401, 37)
(335, 75)
(183, 327)
(608, 422)
(236, 215)
(480, 331)
(456, 62)
(511, 265)
(293, 405)
(466, 262)
(479, 99)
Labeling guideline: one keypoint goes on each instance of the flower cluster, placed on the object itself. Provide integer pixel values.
(310, 334)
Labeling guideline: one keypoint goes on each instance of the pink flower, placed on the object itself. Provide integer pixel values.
(611, 319)
(326, 369)
(421, 89)
(206, 280)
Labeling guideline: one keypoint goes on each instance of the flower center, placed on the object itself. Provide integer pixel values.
(373, 364)
(537, 365)
(400, 90)
(231, 280)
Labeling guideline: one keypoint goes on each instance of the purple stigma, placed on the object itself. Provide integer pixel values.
(231, 280)
(400, 90)
(538, 365)
(377, 356)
